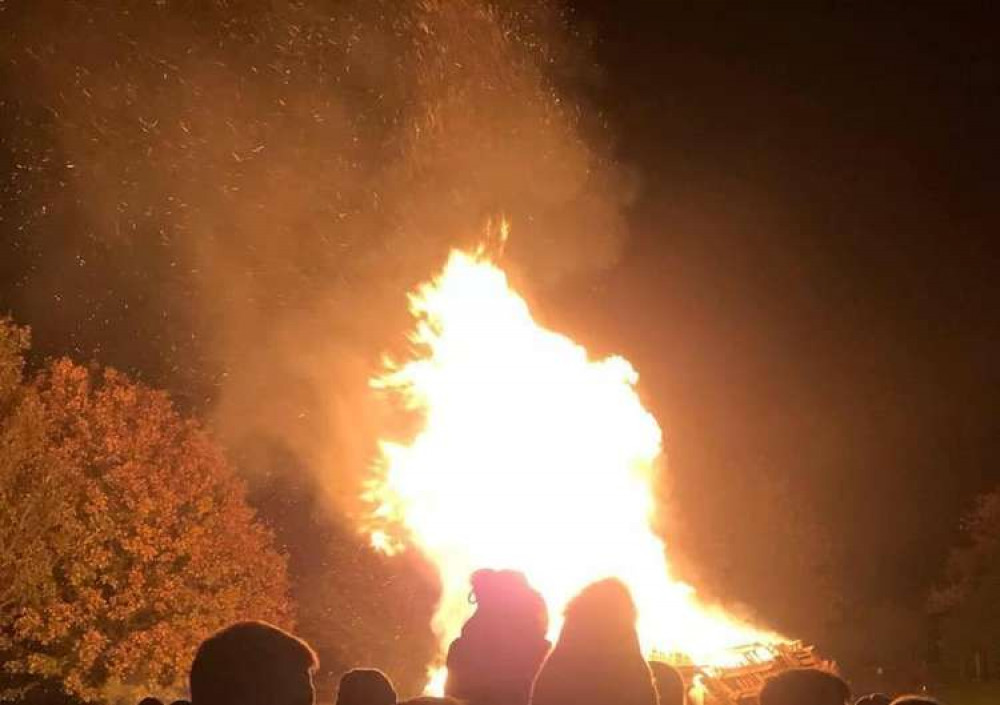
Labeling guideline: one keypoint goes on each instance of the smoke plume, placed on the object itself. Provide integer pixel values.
(231, 198)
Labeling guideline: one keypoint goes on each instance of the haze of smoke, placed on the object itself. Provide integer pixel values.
(234, 197)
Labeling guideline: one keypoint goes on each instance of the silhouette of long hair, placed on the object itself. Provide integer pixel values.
(597, 660)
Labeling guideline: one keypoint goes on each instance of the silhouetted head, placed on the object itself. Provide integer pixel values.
(365, 686)
(602, 611)
(915, 700)
(669, 684)
(507, 592)
(874, 699)
(181, 702)
(253, 663)
(490, 585)
(805, 686)
(150, 700)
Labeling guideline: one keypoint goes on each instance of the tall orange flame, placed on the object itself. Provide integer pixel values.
(531, 456)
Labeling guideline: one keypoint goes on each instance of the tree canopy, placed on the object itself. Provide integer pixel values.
(125, 539)
(968, 600)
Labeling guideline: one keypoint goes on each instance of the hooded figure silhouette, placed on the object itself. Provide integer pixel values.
(597, 660)
(501, 647)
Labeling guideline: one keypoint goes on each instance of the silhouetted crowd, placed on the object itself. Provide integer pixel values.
(501, 658)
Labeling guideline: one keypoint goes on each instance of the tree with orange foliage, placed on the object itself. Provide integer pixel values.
(126, 537)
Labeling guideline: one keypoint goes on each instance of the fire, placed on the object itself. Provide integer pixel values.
(531, 455)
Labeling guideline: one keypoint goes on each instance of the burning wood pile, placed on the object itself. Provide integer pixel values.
(740, 682)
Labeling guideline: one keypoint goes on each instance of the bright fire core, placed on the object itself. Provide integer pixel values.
(530, 456)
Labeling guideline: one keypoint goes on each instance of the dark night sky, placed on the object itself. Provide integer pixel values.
(808, 286)
(811, 284)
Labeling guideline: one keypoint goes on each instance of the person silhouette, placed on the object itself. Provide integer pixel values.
(597, 659)
(253, 663)
(805, 686)
(365, 686)
(670, 688)
(874, 699)
(496, 657)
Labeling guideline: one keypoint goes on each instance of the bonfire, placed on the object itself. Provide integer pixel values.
(535, 456)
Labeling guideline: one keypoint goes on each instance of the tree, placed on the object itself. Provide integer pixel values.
(28, 495)
(34, 499)
(968, 599)
(133, 537)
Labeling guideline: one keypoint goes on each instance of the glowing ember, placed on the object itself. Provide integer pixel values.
(531, 456)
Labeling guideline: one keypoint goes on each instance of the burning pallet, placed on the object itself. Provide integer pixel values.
(741, 682)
